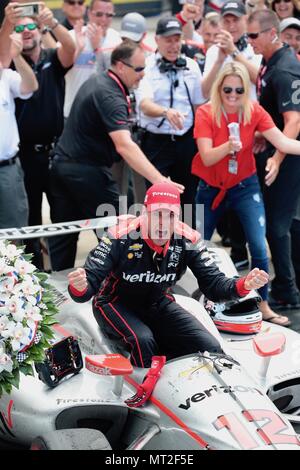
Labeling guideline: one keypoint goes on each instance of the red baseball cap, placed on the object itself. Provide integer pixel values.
(163, 196)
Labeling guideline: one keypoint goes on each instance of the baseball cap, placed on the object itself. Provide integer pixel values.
(133, 26)
(168, 26)
(289, 23)
(233, 8)
(163, 196)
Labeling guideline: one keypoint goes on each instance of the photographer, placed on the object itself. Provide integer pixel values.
(40, 119)
(12, 13)
(167, 98)
(13, 84)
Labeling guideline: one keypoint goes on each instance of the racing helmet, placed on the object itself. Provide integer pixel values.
(241, 317)
(286, 396)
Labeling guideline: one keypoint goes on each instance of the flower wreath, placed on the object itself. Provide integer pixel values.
(26, 312)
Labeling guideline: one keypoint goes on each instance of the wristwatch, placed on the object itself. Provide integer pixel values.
(164, 113)
(56, 23)
(45, 30)
(235, 53)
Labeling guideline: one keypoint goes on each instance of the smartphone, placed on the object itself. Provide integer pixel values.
(30, 9)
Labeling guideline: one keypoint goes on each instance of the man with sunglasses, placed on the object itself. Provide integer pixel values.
(166, 99)
(97, 133)
(278, 89)
(95, 42)
(40, 119)
(74, 10)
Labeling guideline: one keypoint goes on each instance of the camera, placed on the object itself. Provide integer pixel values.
(30, 9)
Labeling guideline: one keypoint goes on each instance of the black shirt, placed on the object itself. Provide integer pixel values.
(66, 23)
(40, 119)
(278, 90)
(100, 107)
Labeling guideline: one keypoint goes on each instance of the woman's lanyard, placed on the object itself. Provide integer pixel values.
(232, 162)
(121, 86)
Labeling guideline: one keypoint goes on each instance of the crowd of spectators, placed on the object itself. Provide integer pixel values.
(89, 113)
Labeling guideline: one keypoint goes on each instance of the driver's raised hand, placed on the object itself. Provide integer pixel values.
(77, 279)
(255, 279)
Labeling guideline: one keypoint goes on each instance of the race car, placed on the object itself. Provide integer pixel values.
(247, 398)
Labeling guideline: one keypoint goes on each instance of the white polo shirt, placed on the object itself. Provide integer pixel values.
(248, 53)
(10, 88)
(157, 87)
(86, 64)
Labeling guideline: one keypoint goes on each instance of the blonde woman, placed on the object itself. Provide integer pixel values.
(226, 165)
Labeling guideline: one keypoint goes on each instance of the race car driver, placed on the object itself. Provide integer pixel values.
(130, 274)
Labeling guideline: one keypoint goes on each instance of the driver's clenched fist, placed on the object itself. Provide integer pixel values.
(77, 279)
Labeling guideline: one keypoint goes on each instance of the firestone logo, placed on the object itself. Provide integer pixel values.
(159, 193)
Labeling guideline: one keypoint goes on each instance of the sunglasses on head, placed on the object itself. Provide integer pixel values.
(228, 89)
(75, 2)
(21, 27)
(136, 69)
(99, 14)
(255, 35)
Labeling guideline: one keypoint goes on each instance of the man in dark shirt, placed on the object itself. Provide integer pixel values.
(279, 174)
(97, 133)
(290, 34)
(40, 119)
(131, 271)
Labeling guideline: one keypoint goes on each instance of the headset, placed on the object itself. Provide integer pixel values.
(165, 66)
(171, 68)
